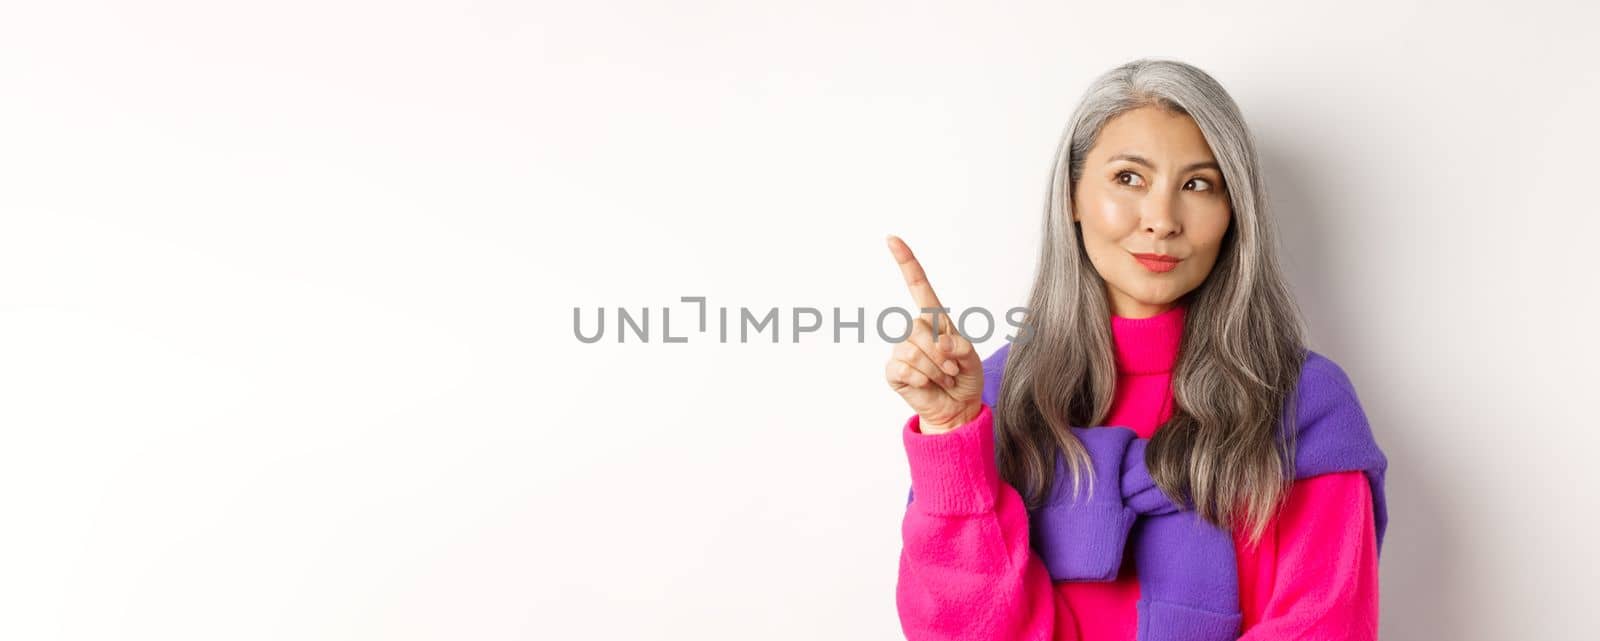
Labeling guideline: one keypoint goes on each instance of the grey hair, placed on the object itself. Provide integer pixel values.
(1225, 449)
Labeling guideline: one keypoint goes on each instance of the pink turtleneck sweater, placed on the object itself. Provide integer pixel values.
(967, 570)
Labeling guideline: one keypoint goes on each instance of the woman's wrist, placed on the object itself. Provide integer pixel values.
(961, 418)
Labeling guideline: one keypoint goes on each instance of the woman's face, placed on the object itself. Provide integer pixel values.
(1151, 186)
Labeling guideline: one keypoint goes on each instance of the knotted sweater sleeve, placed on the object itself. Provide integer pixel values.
(967, 570)
(1188, 579)
(1081, 534)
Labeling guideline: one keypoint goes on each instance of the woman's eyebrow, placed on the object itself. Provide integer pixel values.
(1204, 164)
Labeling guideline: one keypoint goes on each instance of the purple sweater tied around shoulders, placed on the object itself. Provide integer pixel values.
(1188, 572)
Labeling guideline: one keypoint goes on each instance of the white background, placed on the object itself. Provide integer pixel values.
(286, 294)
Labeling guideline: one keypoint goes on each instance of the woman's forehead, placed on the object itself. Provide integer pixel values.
(1159, 137)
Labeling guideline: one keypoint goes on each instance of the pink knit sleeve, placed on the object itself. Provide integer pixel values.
(966, 568)
(1326, 582)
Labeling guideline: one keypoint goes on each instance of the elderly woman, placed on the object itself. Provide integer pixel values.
(1162, 361)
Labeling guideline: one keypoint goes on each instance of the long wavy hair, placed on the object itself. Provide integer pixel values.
(1226, 450)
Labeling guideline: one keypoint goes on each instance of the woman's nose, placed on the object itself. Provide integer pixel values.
(1159, 217)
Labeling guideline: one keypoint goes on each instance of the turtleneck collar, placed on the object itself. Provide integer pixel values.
(1148, 345)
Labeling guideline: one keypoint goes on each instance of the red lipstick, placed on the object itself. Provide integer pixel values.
(1157, 262)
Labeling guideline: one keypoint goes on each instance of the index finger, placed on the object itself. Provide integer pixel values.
(916, 279)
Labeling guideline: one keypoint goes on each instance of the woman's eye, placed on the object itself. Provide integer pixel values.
(1129, 178)
(1199, 184)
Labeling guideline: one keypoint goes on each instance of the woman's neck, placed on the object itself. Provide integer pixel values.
(1148, 345)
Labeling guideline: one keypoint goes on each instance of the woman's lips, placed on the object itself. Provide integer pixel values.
(1157, 262)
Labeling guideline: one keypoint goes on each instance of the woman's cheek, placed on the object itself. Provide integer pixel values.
(1113, 211)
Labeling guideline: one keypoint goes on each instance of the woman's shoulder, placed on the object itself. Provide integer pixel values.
(1319, 371)
(1323, 384)
(1331, 427)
